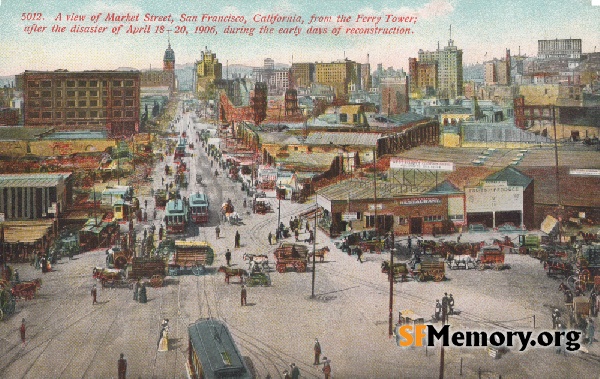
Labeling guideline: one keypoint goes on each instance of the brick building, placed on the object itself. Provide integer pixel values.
(85, 100)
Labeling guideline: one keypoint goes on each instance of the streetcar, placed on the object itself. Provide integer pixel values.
(212, 352)
(177, 214)
(199, 208)
(180, 149)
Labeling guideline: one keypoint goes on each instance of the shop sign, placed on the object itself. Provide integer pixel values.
(421, 201)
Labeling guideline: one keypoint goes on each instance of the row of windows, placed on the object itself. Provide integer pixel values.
(78, 83)
(78, 114)
(73, 93)
(433, 218)
(79, 103)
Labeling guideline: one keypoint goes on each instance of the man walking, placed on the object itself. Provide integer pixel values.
(22, 330)
(94, 294)
(217, 231)
(295, 371)
(243, 295)
(317, 350)
(270, 238)
(228, 257)
(122, 367)
(237, 239)
(326, 368)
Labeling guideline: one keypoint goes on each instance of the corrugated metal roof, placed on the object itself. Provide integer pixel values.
(76, 135)
(32, 180)
(19, 133)
(281, 138)
(313, 160)
(216, 350)
(350, 139)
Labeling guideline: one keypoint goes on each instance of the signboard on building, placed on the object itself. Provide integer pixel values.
(420, 201)
(584, 171)
(349, 216)
(494, 197)
(396, 162)
(372, 207)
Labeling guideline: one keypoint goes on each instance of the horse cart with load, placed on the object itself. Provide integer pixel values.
(152, 268)
(291, 256)
(190, 257)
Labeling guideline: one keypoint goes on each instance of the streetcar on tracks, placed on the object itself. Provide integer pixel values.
(177, 214)
(212, 352)
(199, 208)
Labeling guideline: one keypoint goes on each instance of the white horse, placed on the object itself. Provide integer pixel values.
(455, 261)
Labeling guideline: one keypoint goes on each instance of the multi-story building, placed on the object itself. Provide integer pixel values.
(498, 71)
(342, 75)
(559, 48)
(303, 74)
(423, 77)
(279, 82)
(208, 69)
(449, 69)
(155, 79)
(365, 76)
(394, 96)
(88, 100)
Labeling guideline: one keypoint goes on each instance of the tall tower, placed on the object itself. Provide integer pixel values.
(169, 59)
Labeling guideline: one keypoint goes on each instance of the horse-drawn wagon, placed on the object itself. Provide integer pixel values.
(112, 278)
(401, 270)
(7, 301)
(491, 257)
(26, 290)
(431, 268)
(190, 256)
(465, 261)
(291, 256)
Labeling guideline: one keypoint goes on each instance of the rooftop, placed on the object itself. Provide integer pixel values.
(341, 139)
(33, 180)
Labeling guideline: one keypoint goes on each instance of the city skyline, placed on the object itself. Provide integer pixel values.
(482, 31)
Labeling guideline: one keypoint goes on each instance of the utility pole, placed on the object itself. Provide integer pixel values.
(556, 172)
(444, 316)
(277, 231)
(312, 296)
(391, 277)
(375, 194)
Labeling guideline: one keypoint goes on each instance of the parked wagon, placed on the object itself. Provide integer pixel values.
(258, 278)
(491, 257)
(372, 246)
(112, 278)
(291, 256)
(558, 267)
(190, 257)
(153, 268)
(401, 270)
(429, 269)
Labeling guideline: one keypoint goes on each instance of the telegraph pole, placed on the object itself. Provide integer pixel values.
(312, 296)
(391, 277)
(557, 176)
(375, 194)
(444, 322)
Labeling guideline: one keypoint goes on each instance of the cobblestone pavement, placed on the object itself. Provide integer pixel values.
(68, 337)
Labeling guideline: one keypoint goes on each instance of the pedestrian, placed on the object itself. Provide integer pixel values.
(326, 368)
(228, 257)
(295, 371)
(359, 254)
(307, 227)
(237, 239)
(591, 328)
(438, 310)
(286, 375)
(122, 367)
(593, 303)
(217, 231)
(296, 234)
(317, 350)
(136, 290)
(16, 274)
(142, 296)
(445, 304)
(310, 236)
(22, 330)
(243, 295)
(94, 294)
(146, 203)
(555, 318)
(458, 238)
(160, 232)
(245, 203)
(270, 238)
(450, 305)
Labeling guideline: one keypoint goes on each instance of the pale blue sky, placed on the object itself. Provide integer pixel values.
(478, 28)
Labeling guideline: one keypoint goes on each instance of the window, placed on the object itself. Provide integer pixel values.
(81, 114)
(117, 114)
(33, 103)
(93, 103)
(104, 83)
(93, 93)
(129, 103)
(58, 103)
(104, 103)
(93, 83)
(355, 117)
(70, 93)
(116, 83)
(33, 84)
(46, 103)
(46, 84)
(117, 103)
(343, 117)
(93, 114)
(129, 114)
(70, 103)
(129, 83)
(116, 93)
(57, 114)
(82, 83)
(34, 93)
(81, 93)
(129, 92)
(432, 218)
(70, 114)
(456, 217)
(82, 103)
(46, 114)
(34, 114)
(70, 83)
(58, 93)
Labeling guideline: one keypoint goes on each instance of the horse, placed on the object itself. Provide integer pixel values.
(458, 260)
(261, 261)
(321, 253)
(228, 271)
